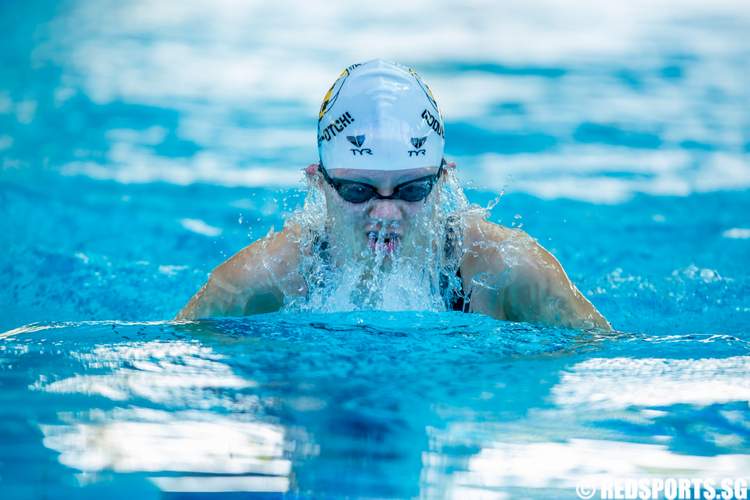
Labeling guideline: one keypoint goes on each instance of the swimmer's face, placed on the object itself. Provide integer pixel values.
(382, 223)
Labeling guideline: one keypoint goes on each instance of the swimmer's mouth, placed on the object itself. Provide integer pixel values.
(387, 242)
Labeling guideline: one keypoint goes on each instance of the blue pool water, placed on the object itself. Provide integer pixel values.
(141, 146)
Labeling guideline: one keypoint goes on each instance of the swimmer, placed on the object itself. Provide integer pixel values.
(386, 225)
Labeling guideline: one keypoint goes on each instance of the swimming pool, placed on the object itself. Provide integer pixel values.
(129, 170)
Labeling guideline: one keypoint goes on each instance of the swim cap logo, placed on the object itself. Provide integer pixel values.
(330, 96)
(338, 125)
(426, 89)
(358, 141)
(433, 123)
(418, 142)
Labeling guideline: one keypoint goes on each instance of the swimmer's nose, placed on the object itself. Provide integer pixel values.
(385, 210)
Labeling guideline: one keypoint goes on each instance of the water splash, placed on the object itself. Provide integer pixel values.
(346, 269)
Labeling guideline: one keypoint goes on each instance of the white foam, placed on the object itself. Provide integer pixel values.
(693, 272)
(548, 464)
(188, 441)
(617, 383)
(185, 374)
(171, 270)
(192, 484)
(522, 454)
(179, 63)
(200, 227)
(584, 172)
(738, 233)
(202, 168)
(208, 60)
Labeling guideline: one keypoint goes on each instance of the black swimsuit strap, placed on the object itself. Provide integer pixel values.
(458, 300)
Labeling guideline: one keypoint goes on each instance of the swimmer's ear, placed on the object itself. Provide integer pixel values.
(313, 175)
(311, 169)
(448, 165)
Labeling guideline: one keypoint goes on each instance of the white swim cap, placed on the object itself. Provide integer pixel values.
(380, 115)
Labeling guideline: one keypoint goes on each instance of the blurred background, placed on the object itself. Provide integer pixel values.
(143, 142)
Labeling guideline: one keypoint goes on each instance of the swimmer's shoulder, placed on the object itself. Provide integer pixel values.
(276, 252)
(490, 244)
(535, 286)
(254, 280)
(494, 248)
(484, 238)
(481, 240)
(478, 231)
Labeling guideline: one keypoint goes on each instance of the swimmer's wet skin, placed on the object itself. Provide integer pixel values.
(383, 184)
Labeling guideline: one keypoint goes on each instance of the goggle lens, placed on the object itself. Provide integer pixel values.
(360, 192)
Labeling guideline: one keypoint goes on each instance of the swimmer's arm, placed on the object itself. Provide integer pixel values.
(245, 284)
(512, 277)
(542, 292)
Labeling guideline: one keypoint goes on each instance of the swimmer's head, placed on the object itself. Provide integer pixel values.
(386, 199)
(380, 140)
(380, 115)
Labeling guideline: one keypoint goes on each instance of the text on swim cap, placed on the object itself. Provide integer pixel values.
(338, 125)
(433, 123)
(358, 141)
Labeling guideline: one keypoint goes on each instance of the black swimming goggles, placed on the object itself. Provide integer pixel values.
(360, 192)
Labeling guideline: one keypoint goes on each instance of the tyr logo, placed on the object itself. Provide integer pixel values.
(418, 142)
(358, 141)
